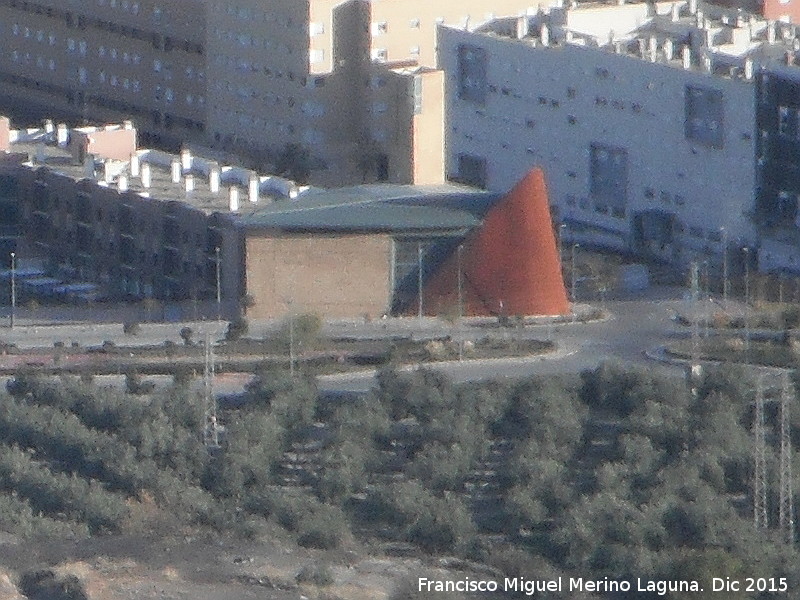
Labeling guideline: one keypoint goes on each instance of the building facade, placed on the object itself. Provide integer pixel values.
(261, 82)
(186, 227)
(664, 129)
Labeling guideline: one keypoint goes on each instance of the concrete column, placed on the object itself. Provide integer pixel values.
(135, 165)
(748, 68)
(62, 135)
(233, 198)
(122, 183)
(213, 179)
(146, 181)
(188, 183)
(186, 159)
(176, 171)
(252, 189)
(669, 49)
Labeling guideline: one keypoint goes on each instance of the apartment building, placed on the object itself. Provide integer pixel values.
(99, 212)
(666, 129)
(242, 76)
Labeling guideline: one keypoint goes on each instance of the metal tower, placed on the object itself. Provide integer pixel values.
(759, 459)
(786, 508)
(210, 426)
(695, 370)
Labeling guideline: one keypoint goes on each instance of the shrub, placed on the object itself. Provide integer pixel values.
(318, 574)
(47, 585)
(302, 329)
(182, 375)
(236, 329)
(131, 328)
(135, 385)
(442, 525)
(317, 525)
(791, 317)
(186, 334)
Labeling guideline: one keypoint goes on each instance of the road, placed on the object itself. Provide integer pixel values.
(634, 327)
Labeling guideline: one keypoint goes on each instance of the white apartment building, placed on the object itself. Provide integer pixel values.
(246, 76)
(665, 129)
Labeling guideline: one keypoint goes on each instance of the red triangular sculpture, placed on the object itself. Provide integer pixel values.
(510, 265)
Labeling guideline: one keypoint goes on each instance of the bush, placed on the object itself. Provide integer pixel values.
(303, 329)
(135, 385)
(316, 574)
(443, 525)
(182, 375)
(46, 585)
(131, 328)
(791, 317)
(186, 334)
(236, 329)
(317, 525)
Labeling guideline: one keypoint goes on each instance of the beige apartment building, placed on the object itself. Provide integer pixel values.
(349, 82)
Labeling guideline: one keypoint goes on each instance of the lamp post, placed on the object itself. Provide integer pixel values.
(724, 267)
(13, 288)
(561, 229)
(573, 274)
(291, 340)
(419, 280)
(573, 280)
(460, 304)
(746, 251)
(219, 285)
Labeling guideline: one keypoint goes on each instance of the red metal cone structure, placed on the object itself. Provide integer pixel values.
(510, 265)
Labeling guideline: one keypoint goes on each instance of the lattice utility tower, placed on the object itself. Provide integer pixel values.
(783, 395)
(695, 370)
(785, 507)
(759, 459)
(210, 424)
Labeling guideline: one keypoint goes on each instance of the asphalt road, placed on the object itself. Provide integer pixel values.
(634, 327)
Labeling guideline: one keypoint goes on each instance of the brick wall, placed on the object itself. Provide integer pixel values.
(331, 275)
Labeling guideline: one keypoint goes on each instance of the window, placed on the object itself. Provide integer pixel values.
(787, 207)
(380, 54)
(608, 177)
(417, 95)
(315, 29)
(704, 116)
(472, 170)
(472, 74)
(380, 28)
(316, 56)
(414, 23)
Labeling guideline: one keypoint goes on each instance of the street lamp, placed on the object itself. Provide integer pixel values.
(724, 267)
(561, 230)
(573, 274)
(419, 280)
(573, 282)
(219, 285)
(13, 288)
(460, 304)
(746, 251)
(291, 339)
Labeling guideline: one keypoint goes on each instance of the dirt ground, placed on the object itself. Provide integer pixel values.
(207, 568)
